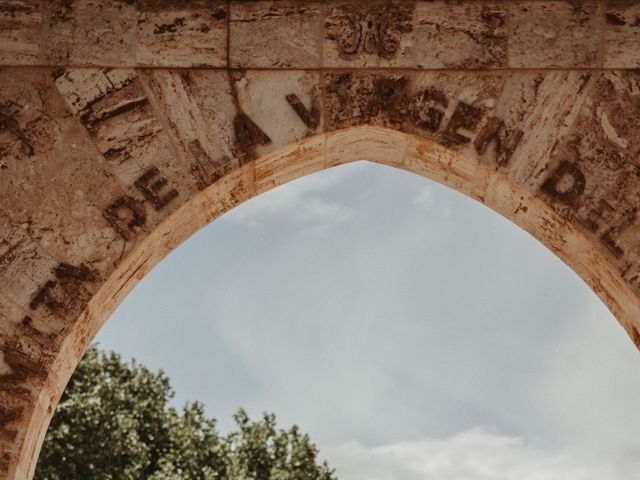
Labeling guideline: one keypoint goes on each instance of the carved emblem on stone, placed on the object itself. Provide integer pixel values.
(361, 29)
(369, 35)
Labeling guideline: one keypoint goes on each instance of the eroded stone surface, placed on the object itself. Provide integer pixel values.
(57, 183)
(20, 32)
(115, 110)
(555, 33)
(293, 98)
(58, 30)
(197, 106)
(181, 34)
(104, 33)
(622, 34)
(139, 122)
(596, 171)
(280, 34)
(461, 35)
(542, 106)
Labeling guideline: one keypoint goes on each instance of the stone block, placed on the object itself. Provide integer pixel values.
(199, 109)
(104, 33)
(293, 98)
(182, 34)
(275, 34)
(461, 35)
(546, 34)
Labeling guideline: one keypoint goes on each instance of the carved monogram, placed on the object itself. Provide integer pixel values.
(370, 35)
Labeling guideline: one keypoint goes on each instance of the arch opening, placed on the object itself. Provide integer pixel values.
(459, 346)
(389, 147)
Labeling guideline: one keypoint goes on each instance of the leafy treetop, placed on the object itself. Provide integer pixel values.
(114, 423)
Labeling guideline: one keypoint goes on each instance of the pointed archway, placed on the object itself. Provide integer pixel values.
(126, 126)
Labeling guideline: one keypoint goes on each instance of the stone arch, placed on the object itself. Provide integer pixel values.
(127, 125)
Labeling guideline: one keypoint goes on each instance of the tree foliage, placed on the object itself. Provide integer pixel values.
(114, 422)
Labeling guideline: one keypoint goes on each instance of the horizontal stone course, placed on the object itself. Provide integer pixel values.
(470, 34)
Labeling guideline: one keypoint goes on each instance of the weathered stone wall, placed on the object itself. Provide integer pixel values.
(126, 125)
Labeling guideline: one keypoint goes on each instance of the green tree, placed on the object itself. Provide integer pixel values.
(114, 422)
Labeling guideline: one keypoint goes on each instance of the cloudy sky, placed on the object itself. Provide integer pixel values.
(414, 333)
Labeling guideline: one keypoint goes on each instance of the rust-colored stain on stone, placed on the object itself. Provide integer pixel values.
(127, 125)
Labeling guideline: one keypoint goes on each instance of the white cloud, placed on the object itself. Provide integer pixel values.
(399, 323)
(472, 455)
(301, 201)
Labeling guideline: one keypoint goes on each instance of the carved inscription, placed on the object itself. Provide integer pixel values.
(206, 169)
(466, 117)
(22, 365)
(311, 118)
(248, 135)
(427, 109)
(567, 184)
(126, 215)
(7, 416)
(505, 141)
(82, 273)
(389, 101)
(66, 295)
(25, 353)
(389, 97)
(43, 339)
(609, 238)
(602, 213)
(446, 92)
(151, 184)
